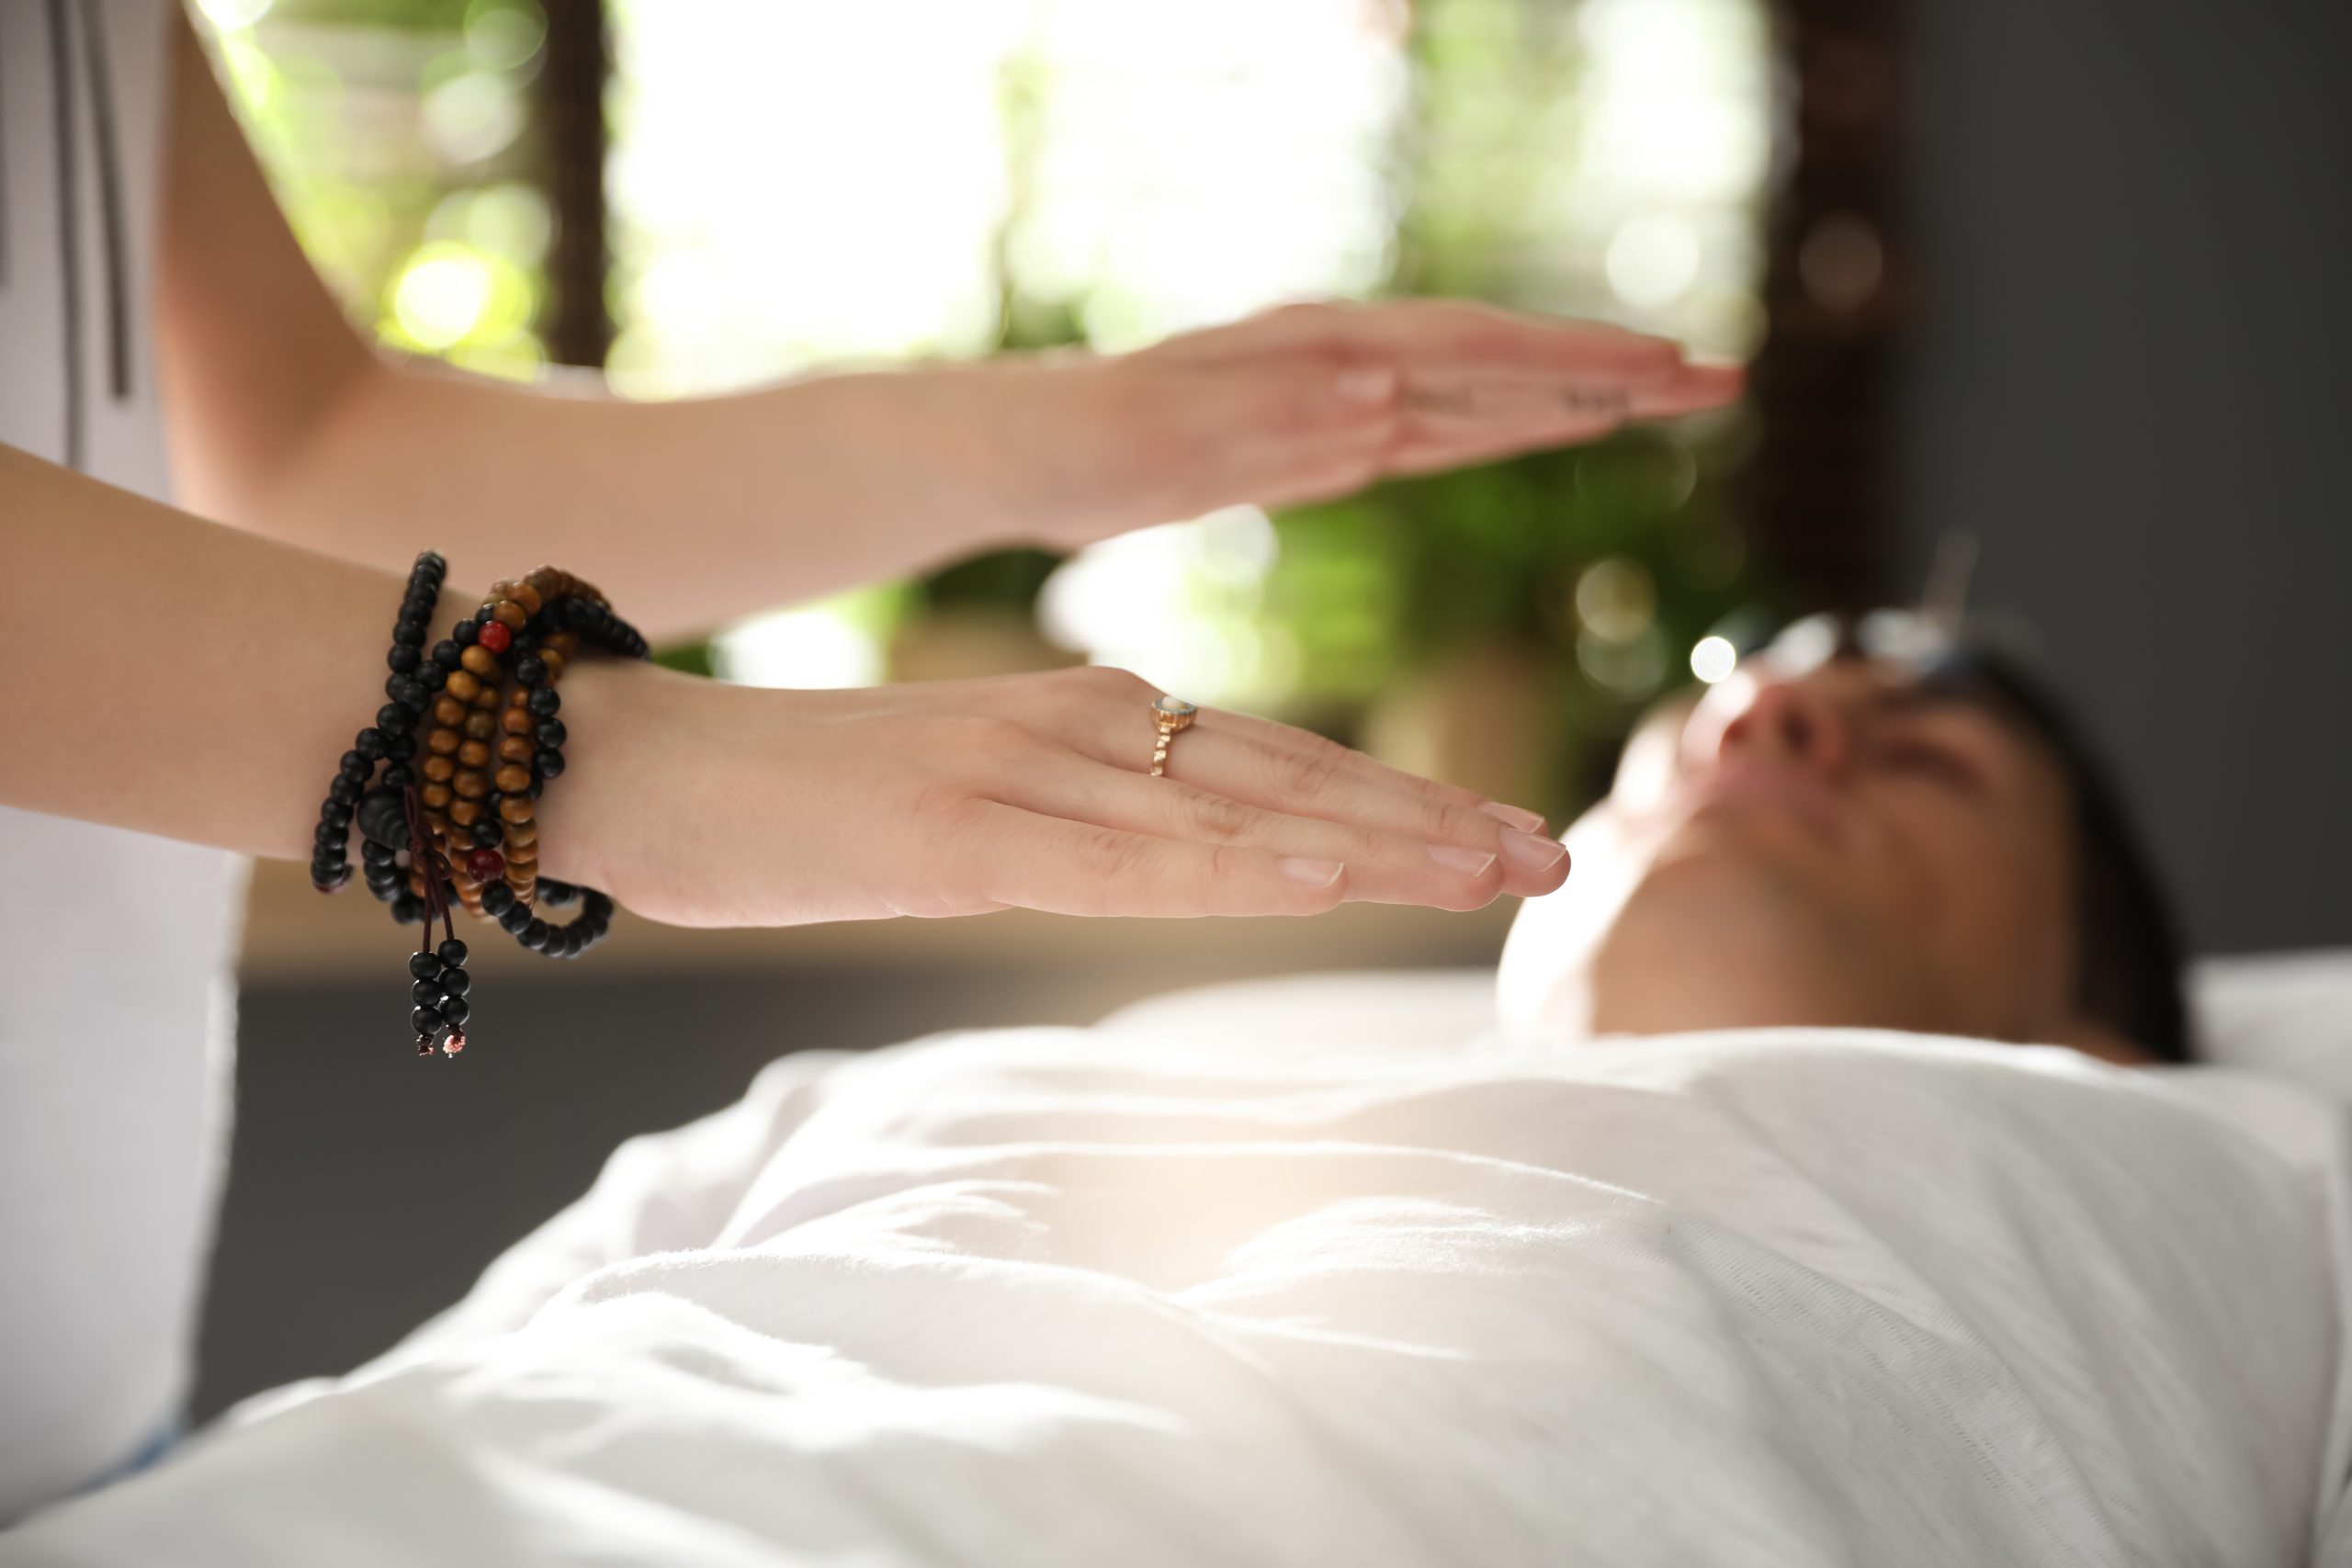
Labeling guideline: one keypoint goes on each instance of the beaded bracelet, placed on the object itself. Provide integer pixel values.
(495, 809)
(329, 871)
(454, 788)
(500, 842)
(537, 620)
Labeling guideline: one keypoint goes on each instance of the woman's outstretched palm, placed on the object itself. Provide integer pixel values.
(734, 806)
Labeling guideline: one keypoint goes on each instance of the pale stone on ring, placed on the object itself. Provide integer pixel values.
(1171, 715)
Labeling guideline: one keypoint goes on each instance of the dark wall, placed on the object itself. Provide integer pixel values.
(2133, 381)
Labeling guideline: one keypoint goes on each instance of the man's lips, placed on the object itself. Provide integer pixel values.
(1751, 787)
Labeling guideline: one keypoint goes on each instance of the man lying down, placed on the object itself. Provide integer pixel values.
(1818, 1204)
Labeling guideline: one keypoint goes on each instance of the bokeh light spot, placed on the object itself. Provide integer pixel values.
(503, 34)
(472, 116)
(1841, 262)
(1630, 669)
(441, 296)
(1616, 599)
(1652, 259)
(1714, 658)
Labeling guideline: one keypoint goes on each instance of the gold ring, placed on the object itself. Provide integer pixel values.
(1172, 715)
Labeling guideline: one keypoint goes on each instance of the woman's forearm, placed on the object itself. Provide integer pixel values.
(708, 509)
(189, 680)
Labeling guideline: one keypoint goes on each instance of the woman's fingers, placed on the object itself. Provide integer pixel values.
(1280, 433)
(1347, 788)
(1416, 792)
(1015, 857)
(1465, 404)
(1698, 386)
(1458, 332)
(1473, 391)
(1304, 775)
(1479, 422)
(1382, 867)
(1306, 419)
(1426, 334)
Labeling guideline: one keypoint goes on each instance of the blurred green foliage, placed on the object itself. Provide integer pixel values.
(397, 134)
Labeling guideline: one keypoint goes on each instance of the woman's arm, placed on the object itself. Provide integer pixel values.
(182, 678)
(284, 420)
(186, 679)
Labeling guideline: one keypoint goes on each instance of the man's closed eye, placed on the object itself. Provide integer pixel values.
(1936, 760)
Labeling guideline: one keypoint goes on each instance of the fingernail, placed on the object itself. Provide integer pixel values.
(1367, 384)
(1470, 863)
(1314, 873)
(1517, 817)
(1531, 850)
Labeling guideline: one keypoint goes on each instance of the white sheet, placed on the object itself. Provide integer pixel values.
(1056, 1296)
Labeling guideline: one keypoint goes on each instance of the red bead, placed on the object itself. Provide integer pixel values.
(484, 865)
(494, 637)
(454, 1044)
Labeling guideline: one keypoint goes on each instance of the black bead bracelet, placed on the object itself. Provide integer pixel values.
(389, 739)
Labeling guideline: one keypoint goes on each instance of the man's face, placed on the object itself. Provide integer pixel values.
(1831, 844)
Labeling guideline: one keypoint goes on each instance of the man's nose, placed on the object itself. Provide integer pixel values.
(1790, 723)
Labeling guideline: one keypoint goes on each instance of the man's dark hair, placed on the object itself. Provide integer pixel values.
(2128, 945)
(2127, 940)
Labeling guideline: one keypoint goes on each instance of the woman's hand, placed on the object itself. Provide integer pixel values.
(1301, 403)
(697, 803)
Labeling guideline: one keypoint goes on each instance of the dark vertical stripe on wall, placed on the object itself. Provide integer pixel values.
(571, 100)
(94, 56)
(4, 170)
(69, 227)
(1838, 291)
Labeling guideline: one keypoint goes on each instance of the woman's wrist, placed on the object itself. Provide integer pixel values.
(974, 446)
(620, 716)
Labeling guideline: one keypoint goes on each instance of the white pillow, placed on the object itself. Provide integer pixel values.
(1393, 1009)
(2284, 1014)
(2288, 1015)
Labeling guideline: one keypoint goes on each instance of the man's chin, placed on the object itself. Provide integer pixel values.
(1730, 920)
(1723, 897)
